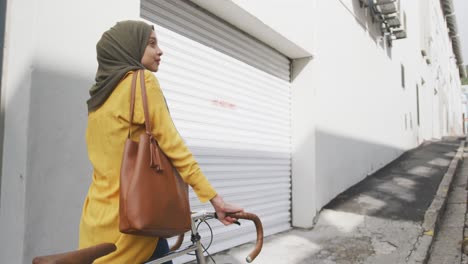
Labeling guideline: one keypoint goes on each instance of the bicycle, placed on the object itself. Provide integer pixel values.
(88, 255)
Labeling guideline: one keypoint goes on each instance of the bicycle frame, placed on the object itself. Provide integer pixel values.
(196, 243)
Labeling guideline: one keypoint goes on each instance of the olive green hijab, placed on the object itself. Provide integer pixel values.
(119, 51)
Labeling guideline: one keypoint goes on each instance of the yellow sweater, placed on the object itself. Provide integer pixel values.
(106, 134)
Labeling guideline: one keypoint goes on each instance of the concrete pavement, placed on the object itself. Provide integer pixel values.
(447, 246)
(391, 216)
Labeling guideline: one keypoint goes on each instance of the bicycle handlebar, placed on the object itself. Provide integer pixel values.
(258, 226)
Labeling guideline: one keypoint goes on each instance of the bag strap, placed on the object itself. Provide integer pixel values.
(132, 103)
(145, 103)
(144, 99)
(155, 161)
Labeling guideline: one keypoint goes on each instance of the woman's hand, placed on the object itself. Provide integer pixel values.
(222, 208)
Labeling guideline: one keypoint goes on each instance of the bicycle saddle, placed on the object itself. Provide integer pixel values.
(82, 256)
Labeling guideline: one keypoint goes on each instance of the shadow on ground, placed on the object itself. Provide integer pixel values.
(403, 189)
(378, 220)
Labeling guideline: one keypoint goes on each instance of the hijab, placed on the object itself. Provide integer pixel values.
(119, 51)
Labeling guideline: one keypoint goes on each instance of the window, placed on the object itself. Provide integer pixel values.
(417, 104)
(411, 120)
(406, 122)
(402, 76)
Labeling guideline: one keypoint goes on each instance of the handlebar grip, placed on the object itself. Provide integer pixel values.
(258, 226)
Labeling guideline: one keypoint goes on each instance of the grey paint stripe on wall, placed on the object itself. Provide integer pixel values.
(2, 104)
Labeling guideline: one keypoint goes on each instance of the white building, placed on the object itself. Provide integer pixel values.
(464, 100)
(285, 104)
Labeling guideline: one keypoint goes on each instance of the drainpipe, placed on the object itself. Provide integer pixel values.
(449, 12)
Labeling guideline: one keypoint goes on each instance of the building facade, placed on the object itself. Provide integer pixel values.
(285, 104)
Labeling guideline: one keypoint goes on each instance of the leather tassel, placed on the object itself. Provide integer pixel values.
(155, 159)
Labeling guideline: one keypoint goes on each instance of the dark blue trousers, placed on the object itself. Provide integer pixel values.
(161, 249)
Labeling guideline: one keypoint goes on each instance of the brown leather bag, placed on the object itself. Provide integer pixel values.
(153, 196)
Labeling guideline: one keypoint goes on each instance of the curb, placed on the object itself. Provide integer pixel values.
(433, 214)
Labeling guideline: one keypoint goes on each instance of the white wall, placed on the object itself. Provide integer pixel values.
(46, 80)
(446, 76)
(465, 105)
(361, 105)
(16, 85)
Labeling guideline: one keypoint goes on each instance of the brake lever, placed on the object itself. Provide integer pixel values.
(235, 222)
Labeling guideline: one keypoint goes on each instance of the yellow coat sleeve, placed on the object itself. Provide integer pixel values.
(168, 138)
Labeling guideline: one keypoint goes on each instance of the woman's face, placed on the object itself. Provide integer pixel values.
(153, 53)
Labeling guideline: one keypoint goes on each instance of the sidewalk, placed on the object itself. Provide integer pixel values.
(389, 217)
(447, 246)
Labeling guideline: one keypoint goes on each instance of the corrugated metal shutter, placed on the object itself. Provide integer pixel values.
(233, 116)
(192, 21)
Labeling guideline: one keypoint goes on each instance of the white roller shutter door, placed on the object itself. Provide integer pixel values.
(233, 110)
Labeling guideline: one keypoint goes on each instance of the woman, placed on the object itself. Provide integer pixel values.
(126, 47)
